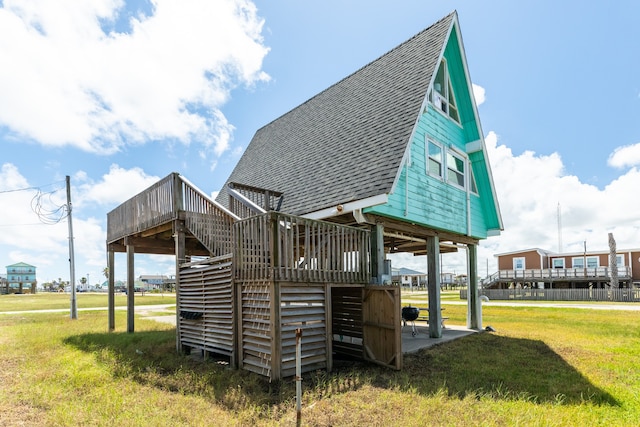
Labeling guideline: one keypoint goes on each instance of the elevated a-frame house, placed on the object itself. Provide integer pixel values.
(389, 159)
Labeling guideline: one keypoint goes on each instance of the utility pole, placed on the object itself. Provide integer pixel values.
(74, 305)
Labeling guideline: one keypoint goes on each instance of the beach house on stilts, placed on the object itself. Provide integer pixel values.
(389, 159)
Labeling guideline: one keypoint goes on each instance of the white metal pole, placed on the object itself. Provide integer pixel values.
(298, 377)
(72, 268)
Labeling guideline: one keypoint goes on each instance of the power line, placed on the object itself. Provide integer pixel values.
(22, 225)
(48, 215)
(30, 188)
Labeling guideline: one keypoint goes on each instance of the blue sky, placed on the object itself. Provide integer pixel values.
(118, 94)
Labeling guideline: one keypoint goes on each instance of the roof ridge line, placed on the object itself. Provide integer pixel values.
(448, 16)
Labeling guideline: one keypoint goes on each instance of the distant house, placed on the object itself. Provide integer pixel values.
(412, 278)
(409, 277)
(150, 282)
(21, 277)
(540, 268)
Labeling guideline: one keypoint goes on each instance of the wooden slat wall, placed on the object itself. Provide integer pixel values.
(255, 352)
(346, 318)
(206, 287)
(304, 307)
(602, 294)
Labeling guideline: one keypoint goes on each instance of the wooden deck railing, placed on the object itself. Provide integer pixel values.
(559, 274)
(152, 207)
(265, 200)
(283, 247)
(163, 202)
(593, 294)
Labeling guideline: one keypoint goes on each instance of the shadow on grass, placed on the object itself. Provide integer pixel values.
(150, 358)
(488, 365)
(479, 365)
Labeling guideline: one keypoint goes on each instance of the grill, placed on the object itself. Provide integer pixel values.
(410, 314)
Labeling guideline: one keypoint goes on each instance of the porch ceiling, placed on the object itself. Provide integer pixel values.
(407, 237)
(159, 240)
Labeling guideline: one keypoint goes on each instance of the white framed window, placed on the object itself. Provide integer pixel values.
(449, 165)
(442, 96)
(435, 161)
(620, 260)
(455, 169)
(592, 262)
(557, 263)
(519, 263)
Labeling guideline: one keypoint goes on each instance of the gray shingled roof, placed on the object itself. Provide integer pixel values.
(347, 142)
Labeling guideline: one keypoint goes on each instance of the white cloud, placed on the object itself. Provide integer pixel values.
(478, 94)
(65, 81)
(117, 186)
(628, 155)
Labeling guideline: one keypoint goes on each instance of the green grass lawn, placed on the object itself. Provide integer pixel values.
(542, 367)
(52, 300)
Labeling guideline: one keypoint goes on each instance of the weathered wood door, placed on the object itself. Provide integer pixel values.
(382, 323)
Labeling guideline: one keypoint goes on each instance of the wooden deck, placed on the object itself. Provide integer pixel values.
(557, 275)
(147, 220)
(259, 280)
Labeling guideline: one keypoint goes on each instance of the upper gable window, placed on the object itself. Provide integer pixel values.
(442, 95)
(472, 182)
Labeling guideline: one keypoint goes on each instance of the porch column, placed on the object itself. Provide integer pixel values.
(130, 286)
(474, 308)
(377, 253)
(433, 286)
(181, 257)
(112, 289)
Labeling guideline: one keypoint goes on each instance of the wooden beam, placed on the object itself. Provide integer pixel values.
(157, 230)
(130, 287)
(111, 300)
(422, 231)
(474, 306)
(433, 286)
(161, 247)
(377, 252)
(181, 258)
(421, 248)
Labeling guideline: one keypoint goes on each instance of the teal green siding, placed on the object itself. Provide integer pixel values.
(433, 202)
(460, 88)
(487, 208)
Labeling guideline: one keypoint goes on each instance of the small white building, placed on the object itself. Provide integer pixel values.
(409, 277)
